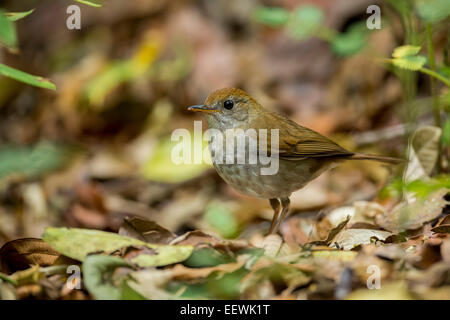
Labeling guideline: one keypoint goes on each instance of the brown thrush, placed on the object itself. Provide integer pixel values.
(301, 154)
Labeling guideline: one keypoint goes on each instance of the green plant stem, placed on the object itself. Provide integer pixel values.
(436, 75)
(436, 109)
(433, 85)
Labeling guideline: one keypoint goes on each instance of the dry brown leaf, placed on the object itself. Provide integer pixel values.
(149, 283)
(145, 230)
(391, 291)
(200, 238)
(332, 233)
(20, 254)
(351, 238)
(410, 216)
(180, 272)
(272, 245)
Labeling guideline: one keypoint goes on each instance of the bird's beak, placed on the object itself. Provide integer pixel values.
(202, 108)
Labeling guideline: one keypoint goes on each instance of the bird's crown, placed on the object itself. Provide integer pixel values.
(227, 93)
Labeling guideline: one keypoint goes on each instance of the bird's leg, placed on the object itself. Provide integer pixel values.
(275, 203)
(285, 205)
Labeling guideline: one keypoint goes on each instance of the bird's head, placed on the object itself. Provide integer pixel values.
(227, 108)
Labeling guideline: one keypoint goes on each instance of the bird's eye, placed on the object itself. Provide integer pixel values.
(228, 104)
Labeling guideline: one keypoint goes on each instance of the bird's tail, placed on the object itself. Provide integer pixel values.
(362, 156)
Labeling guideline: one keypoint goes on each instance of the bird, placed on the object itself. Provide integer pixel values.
(302, 154)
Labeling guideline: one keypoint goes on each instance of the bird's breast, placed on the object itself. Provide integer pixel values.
(238, 161)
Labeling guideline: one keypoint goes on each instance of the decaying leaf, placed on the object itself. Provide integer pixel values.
(98, 277)
(29, 276)
(200, 238)
(150, 282)
(351, 238)
(340, 255)
(20, 254)
(332, 233)
(78, 243)
(272, 245)
(145, 230)
(423, 153)
(413, 215)
(389, 291)
(278, 273)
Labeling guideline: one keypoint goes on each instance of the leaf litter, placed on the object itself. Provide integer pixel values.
(165, 232)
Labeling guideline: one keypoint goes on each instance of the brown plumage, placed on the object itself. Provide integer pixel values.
(303, 154)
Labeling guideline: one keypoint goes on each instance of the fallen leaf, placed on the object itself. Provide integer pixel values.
(20, 254)
(423, 153)
(181, 272)
(340, 255)
(98, 276)
(332, 233)
(28, 276)
(200, 238)
(149, 283)
(7, 291)
(351, 238)
(78, 243)
(272, 245)
(390, 291)
(410, 216)
(443, 228)
(145, 230)
(208, 257)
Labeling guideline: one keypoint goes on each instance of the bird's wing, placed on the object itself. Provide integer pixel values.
(297, 142)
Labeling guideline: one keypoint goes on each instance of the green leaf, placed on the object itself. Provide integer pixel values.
(413, 63)
(7, 279)
(98, 277)
(226, 286)
(32, 161)
(161, 167)
(279, 274)
(26, 77)
(422, 188)
(271, 16)
(130, 294)
(405, 51)
(7, 31)
(207, 257)
(14, 16)
(222, 219)
(165, 255)
(433, 10)
(78, 243)
(350, 42)
(89, 3)
(305, 21)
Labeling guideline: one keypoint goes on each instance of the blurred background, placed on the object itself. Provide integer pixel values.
(98, 147)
